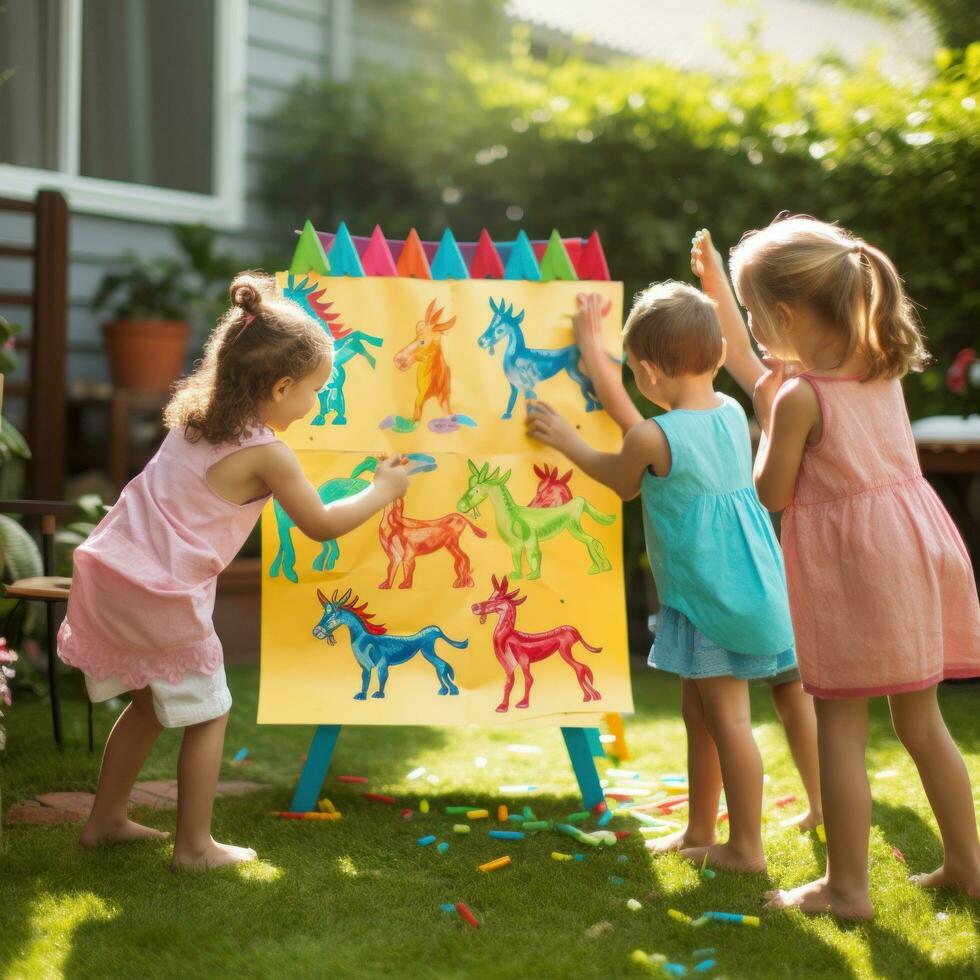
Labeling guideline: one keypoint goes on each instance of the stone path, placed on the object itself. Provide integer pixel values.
(58, 808)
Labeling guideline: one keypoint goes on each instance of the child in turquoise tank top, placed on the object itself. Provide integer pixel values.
(724, 615)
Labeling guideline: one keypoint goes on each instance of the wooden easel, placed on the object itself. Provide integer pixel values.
(583, 747)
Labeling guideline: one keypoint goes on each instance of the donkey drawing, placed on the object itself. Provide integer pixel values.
(526, 367)
(405, 538)
(347, 344)
(376, 649)
(514, 648)
(524, 528)
(432, 377)
(553, 490)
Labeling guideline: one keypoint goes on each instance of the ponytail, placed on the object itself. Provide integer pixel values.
(893, 338)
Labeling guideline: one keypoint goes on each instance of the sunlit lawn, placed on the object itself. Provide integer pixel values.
(359, 898)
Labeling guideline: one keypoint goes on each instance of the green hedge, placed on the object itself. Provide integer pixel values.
(646, 154)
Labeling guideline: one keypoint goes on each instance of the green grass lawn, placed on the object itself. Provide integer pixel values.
(359, 898)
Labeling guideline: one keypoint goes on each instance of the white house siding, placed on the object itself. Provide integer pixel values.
(287, 39)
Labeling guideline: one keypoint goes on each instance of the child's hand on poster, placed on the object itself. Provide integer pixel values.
(587, 321)
(391, 477)
(546, 425)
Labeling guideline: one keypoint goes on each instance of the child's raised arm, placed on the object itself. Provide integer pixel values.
(742, 362)
(606, 375)
(280, 470)
(644, 445)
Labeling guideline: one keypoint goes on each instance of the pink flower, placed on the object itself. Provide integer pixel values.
(956, 376)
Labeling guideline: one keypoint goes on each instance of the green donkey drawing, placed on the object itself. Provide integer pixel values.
(524, 528)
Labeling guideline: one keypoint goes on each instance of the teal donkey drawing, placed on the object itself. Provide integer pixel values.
(524, 528)
(347, 344)
(345, 486)
(376, 649)
(332, 490)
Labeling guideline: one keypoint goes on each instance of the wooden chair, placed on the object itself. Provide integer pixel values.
(49, 589)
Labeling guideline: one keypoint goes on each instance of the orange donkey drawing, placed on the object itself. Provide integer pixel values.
(432, 370)
(405, 538)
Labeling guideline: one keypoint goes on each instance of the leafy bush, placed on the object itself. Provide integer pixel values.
(647, 154)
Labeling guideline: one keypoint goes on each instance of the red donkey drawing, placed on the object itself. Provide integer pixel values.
(516, 649)
(405, 538)
(553, 490)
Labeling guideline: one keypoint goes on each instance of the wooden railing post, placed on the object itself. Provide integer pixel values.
(46, 396)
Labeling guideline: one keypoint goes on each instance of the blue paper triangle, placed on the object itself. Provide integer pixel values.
(344, 260)
(521, 263)
(448, 261)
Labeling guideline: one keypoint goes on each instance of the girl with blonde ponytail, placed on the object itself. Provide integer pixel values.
(881, 589)
(143, 588)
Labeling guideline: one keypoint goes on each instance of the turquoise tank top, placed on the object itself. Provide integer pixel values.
(711, 545)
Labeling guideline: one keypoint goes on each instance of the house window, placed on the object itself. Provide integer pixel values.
(29, 67)
(132, 107)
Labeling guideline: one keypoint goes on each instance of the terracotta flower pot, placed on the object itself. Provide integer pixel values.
(146, 355)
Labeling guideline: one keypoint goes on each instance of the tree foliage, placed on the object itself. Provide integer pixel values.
(647, 154)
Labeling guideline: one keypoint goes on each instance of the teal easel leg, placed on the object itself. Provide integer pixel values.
(595, 745)
(580, 754)
(315, 768)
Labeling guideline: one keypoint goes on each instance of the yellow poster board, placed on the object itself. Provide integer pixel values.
(413, 605)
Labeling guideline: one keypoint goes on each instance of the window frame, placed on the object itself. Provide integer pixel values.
(113, 198)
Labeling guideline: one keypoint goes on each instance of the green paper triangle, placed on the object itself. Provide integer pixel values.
(555, 263)
(309, 255)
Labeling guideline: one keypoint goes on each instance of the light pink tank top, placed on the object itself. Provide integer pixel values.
(144, 582)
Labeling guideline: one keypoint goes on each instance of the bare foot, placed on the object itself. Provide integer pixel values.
(212, 855)
(727, 856)
(674, 842)
(120, 833)
(944, 878)
(816, 897)
(803, 821)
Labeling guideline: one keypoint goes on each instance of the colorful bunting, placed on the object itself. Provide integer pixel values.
(592, 260)
(448, 262)
(521, 263)
(557, 258)
(412, 261)
(344, 260)
(377, 259)
(309, 255)
(486, 263)
(556, 264)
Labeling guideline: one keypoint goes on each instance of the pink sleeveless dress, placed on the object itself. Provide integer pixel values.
(143, 585)
(881, 589)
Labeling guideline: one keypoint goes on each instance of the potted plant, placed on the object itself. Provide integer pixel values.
(146, 338)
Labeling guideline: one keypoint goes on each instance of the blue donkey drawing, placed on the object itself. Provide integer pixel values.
(347, 344)
(526, 367)
(376, 649)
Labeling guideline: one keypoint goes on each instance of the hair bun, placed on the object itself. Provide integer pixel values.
(247, 291)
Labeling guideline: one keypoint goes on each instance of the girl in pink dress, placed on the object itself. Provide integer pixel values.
(881, 590)
(139, 616)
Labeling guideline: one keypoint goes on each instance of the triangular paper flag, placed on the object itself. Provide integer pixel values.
(556, 263)
(309, 255)
(448, 262)
(486, 263)
(521, 263)
(592, 260)
(344, 260)
(412, 261)
(377, 259)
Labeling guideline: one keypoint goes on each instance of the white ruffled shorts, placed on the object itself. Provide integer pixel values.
(194, 699)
